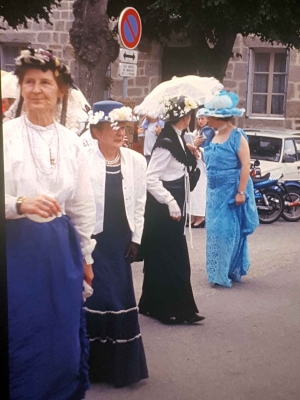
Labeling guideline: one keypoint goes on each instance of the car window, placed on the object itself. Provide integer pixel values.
(289, 149)
(265, 148)
(297, 144)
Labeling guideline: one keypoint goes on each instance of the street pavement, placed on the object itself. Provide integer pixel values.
(247, 348)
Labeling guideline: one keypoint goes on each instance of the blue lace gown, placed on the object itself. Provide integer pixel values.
(227, 225)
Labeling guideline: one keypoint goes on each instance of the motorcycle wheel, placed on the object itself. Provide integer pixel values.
(276, 203)
(293, 189)
(291, 214)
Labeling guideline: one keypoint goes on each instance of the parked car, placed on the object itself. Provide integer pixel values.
(276, 149)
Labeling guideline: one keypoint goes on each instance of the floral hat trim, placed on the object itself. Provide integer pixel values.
(177, 107)
(44, 59)
(123, 114)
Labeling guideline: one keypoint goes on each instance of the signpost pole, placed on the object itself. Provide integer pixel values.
(124, 89)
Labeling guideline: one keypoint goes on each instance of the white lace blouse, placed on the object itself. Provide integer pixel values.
(29, 172)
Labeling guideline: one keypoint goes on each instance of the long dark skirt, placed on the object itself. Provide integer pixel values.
(116, 348)
(167, 290)
(48, 349)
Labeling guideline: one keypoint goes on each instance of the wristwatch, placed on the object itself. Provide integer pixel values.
(241, 192)
(18, 204)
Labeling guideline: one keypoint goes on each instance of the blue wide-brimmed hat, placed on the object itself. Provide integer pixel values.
(222, 105)
(110, 111)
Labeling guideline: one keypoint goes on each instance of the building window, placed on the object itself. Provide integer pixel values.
(8, 53)
(267, 83)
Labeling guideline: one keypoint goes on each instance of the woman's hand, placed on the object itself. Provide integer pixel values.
(157, 130)
(42, 205)
(240, 199)
(174, 210)
(194, 150)
(88, 273)
(198, 141)
(141, 130)
(132, 251)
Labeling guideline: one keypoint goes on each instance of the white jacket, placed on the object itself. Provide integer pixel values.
(133, 169)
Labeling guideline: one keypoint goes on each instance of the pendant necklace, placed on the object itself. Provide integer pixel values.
(51, 157)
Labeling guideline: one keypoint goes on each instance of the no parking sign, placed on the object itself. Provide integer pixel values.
(130, 28)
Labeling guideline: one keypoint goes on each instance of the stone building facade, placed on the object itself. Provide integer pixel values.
(267, 78)
(55, 37)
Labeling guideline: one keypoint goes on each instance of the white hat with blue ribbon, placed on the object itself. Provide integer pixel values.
(222, 105)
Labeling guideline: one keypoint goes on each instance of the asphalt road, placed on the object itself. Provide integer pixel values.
(248, 347)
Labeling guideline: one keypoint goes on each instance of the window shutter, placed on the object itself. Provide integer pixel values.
(249, 83)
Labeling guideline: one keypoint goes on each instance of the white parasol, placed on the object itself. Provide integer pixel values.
(198, 88)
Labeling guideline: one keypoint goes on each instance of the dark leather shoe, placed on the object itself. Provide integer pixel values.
(193, 319)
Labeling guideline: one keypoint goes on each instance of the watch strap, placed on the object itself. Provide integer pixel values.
(18, 204)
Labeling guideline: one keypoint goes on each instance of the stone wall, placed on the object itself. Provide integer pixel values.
(236, 80)
(148, 73)
(55, 37)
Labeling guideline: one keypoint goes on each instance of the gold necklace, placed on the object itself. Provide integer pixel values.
(37, 168)
(51, 158)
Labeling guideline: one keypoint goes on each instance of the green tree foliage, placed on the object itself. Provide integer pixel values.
(210, 26)
(16, 12)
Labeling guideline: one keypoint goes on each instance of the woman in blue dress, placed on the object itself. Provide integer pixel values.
(231, 213)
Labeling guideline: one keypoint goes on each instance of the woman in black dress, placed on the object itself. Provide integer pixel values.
(167, 293)
(118, 176)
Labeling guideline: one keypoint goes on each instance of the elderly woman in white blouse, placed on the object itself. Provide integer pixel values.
(119, 181)
(167, 292)
(50, 214)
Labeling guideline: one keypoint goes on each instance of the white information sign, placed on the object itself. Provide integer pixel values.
(128, 56)
(128, 70)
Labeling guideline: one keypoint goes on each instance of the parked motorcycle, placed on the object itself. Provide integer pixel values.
(272, 195)
(291, 195)
(269, 201)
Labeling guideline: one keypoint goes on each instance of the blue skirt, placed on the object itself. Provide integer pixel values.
(48, 349)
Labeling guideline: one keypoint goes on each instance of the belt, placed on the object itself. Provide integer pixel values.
(177, 184)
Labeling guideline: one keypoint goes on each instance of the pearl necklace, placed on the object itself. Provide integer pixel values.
(113, 162)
